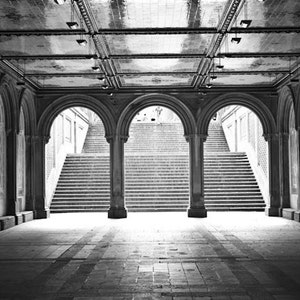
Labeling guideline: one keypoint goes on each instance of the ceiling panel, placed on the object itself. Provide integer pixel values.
(263, 42)
(66, 81)
(120, 14)
(246, 79)
(157, 65)
(156, 81)
(256, 63)
(271, 13)
(40, 45)
(33, 14)
(164, 43)
(56, 66)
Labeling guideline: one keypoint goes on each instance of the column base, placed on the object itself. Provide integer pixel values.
(272, 212)
(197, 212)
(117, 213)
(42, 214)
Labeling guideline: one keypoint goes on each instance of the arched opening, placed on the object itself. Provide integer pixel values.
(156, 162)
(293, 160)
(236, 161)
(3, 200)
(77, 163)
(21, 164)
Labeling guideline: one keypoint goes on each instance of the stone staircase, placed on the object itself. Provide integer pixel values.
(157, 173)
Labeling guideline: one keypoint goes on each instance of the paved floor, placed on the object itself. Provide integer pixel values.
(151, 256)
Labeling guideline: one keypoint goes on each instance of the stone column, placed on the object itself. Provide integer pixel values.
(284, 171)
(117, 202)
(197, 208)
(298, 202)
(30, 169)
(273, 207)
(41, 209)
(11, 180)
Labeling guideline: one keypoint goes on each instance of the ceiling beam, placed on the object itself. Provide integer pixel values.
(145, 31)
(94, 74)
(148, 56)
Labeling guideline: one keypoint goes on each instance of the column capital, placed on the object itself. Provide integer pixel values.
(269, 137)
(43, 138)
(201, 136)
(123, 138)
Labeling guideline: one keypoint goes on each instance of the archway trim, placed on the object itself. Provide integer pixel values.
(65, 102)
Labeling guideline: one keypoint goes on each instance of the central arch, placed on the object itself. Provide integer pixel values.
(182, 111)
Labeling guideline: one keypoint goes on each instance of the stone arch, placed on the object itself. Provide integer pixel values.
(185, 115)
(65, 102)
(29, 111)
(285, 104)
(9, 98)
(257, 106)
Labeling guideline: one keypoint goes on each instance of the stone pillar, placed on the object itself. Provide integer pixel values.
(273, 207)
(117, 202)
(30, 169)
(298, 202)
(41, 209)
(197, 208)
(11, 180)
(284, 171)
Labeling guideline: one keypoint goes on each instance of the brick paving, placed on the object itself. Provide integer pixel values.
(151, 256)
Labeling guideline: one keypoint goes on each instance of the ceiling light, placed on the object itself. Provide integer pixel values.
(110, 94)
(235, 40)
(72, 25)
(60, 2)
(105, 86)
(101, 78)
(245, 23)
(209, 85)
(95, 68)
(20, 83)
(81, 42)
(213, 77)
(219, 66)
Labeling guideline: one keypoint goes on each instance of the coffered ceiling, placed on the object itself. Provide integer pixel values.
(151, 44)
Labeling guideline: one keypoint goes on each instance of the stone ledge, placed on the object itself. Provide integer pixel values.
(197, 213)
(7, 222)
(27, 216)
(288, 213)
(297, 215)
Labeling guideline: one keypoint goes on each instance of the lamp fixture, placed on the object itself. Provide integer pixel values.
(72, 25)
(213, 77)
(105, 86)
(95, 68)
(219, 65)
(60, 2)
(245, 23)
(82, 42)
(110, 94)
(236, 40)
(101, 78)
(209, 85)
